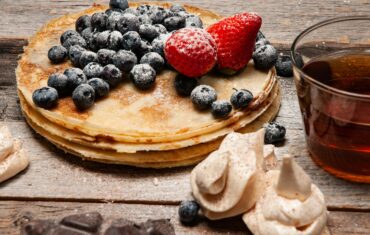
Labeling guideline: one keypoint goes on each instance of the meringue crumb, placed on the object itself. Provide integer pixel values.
(155, 181)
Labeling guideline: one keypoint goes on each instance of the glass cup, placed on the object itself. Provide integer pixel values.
(336, 112)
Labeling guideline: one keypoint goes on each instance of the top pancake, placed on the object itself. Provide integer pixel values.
(127, 114)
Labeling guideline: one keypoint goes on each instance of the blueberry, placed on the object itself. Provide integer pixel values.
(261, 43)
(131, 41)
(121, 4)
(75, 77)
(241, 98)
(45, 97)
(159, 42)
(92, 42)
(260, 36)
(87, 57)
(145, 19)
(145, 47)
(100, 86)
(188, 212)
(184, 85)
(113, 19)
(67, 34)
(124, 60)
(177, 8)
(193, 21)
(131, 11)
(102, 39)
(274, 133)
(83, 96)
(203, 96)
(115, 39)
(174, 23)
(93, 70)
(221, 108)
(143, 9)
(75, 53)
(75, 40)
(83, 22)
(128, 22)
(87, 33)
(183, 14)
(60, 83)
(284, 66)
(111, 11)
(160, 28)
(265, 57)
(112, 75)
(57, 54)
(148, 32)
(157, 14)
(154, 59)
(105, 56)
(99, 21)
(143, 76)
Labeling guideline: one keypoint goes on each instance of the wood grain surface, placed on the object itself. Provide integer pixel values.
(57, 184)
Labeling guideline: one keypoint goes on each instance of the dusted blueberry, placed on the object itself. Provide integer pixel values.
(177, 8)
(88, 57)
(121, 4)
(83, 96)
(265, 57)
(154, 59)
(185, 85)
(113, 19)
(260, 36)
(183, 14)
(131, 11)
(57, 54)
(174, 23)
(145, 47)
(157, 14)
(105, 56)
(188, 211)
(145, 19)
(115, 40)
(160, 28)
(112, 75)
(99, 21)
(83, 22)
(87, 33)
(274, 133)
(143, 76)
(241, 98)
(111, 11)
(67, 34)
(284, 66)
(102, 39)
(60, 83)
(45, 97)
(221, 108)
(92, 42)
(143, 9)
(131, 41)
(128, 22)
(193, 21)
(159, 42)
(93, 70)
(148, 31)
(100, 86)
(170, 13)
(75, 40)
(203, 96)
(124, 60)
(75, 53)
(261, 43)
(75, 77)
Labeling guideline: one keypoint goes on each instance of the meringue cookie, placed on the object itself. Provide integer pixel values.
(227, 182)
(291, 204)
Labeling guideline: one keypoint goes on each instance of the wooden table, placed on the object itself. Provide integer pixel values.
(56, 184)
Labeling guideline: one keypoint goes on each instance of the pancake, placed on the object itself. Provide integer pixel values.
(153, 159)
(155, 116)
(122, 147)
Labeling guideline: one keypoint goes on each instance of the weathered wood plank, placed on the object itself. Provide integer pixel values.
(282, 21)
(54, 175)
(340, 223)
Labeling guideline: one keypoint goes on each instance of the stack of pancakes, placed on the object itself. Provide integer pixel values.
(155, 128)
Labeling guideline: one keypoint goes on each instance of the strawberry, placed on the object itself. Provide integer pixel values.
(235, 37)
(191, 51)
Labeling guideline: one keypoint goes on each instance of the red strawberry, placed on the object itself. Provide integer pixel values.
(235, 37)
(191, 51)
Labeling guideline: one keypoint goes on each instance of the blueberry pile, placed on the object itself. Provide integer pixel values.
(108, 47)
